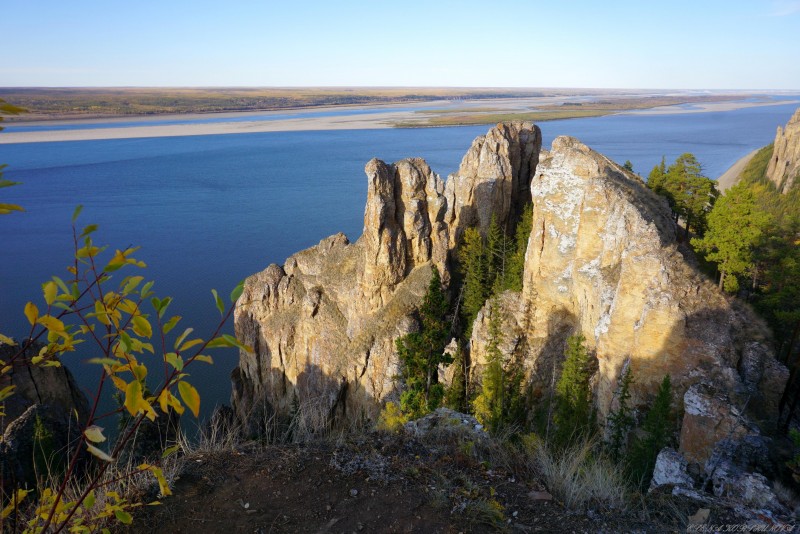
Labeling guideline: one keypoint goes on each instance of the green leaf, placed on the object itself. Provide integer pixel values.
(88, 230)
(174, 360)
(165, 302)
(125, 341)
(220, 304)
(182, 337)
(142, 327)
(88, 502)
(123, 517)
(77, 212)
(237, 292)
(61, 285)
(204, 358)
(146, 289)
(169, 451)
(131, 284)
(218, 342)
(171, 324)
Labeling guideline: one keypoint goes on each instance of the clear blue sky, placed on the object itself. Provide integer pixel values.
(697, 44)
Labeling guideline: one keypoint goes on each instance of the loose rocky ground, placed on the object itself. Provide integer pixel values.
(377, 483)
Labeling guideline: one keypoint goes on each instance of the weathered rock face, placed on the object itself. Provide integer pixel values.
(45, 400)
(49, 386)
(323, 326)
(493, 179)
(602, 260)
(784, 167)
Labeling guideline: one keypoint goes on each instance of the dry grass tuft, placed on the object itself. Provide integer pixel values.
(579, 477)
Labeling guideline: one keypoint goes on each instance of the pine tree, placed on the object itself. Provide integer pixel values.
(628, 166)
(658, 176)
(657, 428)
(422, 352)
(573, 410)
(734, 227)
(621, 420)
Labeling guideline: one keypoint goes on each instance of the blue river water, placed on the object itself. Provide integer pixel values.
(210, 210)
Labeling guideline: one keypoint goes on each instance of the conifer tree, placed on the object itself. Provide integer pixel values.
(472, 257)
(516, 263)
(621, 420)
(422, 352)
(488, 406)
(573, 410)
(658, 176)
(734, 227)
(657, 428)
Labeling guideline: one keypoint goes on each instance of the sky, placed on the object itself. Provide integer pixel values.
(697, 44)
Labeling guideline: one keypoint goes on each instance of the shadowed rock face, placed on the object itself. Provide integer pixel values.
(784, 167)
(602, 259)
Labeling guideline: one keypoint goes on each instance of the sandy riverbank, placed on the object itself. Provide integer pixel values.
(729, 178)
(706, 107)
(348, 122)
(239, 122)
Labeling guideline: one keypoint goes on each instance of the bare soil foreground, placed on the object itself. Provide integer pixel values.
(383, 483)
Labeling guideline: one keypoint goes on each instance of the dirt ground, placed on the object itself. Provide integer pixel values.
(377, 483)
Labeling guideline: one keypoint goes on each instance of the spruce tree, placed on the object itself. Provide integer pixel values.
(472, 257)
(657, 428)
(573, 410)
(422, 352)
(488, 406)
(516, 263)
(621, 420)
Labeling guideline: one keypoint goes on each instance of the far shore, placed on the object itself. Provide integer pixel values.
(378, 120)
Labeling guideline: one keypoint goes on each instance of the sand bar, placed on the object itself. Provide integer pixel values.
(368, 121)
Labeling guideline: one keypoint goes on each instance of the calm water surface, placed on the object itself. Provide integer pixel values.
(211, 210)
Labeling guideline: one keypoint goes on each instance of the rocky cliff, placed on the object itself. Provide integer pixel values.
(784, 167)
(602, 259)
(323, 326)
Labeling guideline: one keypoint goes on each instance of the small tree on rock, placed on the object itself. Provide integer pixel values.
(422, 352)
(573, 411)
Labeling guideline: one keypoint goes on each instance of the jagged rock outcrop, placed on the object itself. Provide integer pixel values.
(784, 167)
(40, 418)
(493, 179)
(603, 260)
(323, 326)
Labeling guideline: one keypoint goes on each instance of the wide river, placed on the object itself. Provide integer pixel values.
(211, 210)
